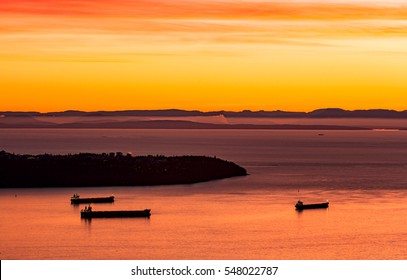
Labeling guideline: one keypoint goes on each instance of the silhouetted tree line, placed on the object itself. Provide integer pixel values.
(110, 169)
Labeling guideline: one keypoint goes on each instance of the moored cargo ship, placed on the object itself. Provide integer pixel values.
(87, 213)
(75, 199)
(301, 206)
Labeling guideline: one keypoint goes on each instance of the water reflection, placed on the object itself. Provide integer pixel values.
(361, 173)
(318, 210)
(87, 223)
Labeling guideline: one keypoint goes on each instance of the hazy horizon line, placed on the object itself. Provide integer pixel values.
(202, 111)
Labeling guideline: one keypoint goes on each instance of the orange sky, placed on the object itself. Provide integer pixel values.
(207, 55)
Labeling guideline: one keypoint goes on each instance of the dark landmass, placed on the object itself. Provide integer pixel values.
(181, 119)
(112, 169)
(181, 124)
(320, 113)
(373, 113)
(171, 124)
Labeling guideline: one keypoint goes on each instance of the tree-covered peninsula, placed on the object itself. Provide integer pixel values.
(110, 169)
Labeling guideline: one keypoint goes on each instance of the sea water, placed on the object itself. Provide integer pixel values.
(363, 174)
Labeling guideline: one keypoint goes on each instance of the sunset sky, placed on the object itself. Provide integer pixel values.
(294, 55)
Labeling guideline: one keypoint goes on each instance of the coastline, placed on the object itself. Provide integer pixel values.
(110, 169)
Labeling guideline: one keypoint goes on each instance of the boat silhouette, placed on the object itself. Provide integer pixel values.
(88, 213)
(75, 199)
(301, 206)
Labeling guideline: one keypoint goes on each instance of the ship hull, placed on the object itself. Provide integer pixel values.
(312, 206)
(92, 200)
(116, 214)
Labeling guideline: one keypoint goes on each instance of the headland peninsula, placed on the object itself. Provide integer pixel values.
(110, 169)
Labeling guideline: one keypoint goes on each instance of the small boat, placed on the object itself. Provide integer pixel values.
(75, 199)
(301, 206)
(87, 213)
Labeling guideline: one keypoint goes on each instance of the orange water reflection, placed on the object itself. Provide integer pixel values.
(206, 224)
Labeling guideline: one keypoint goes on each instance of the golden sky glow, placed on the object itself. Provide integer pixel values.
(206, 55)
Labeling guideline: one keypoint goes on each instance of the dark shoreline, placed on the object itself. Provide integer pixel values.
(179, 124)
(318, 113)
(110, 169)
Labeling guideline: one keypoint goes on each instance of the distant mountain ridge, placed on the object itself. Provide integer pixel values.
(319, 113)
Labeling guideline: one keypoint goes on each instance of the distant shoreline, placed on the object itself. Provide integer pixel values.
(177, 124)
(322, 119)
(319, 113)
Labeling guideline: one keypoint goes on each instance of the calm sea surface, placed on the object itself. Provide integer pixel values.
(363, 174)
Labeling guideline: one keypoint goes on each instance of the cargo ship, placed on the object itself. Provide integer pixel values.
(88, 213)
(75, 199)
(301, 206)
